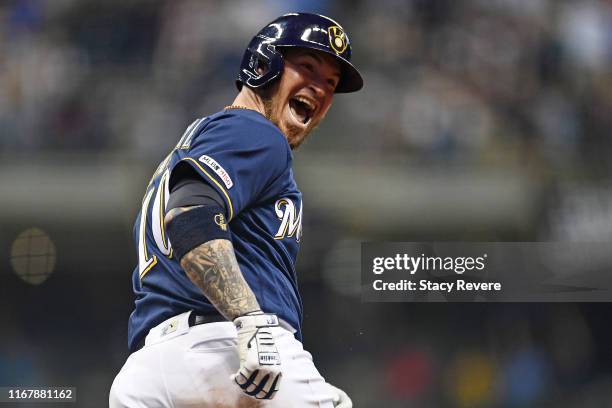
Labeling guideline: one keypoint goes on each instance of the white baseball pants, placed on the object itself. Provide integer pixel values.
(181, 366)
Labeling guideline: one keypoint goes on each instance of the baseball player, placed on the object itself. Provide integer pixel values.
(217, 321)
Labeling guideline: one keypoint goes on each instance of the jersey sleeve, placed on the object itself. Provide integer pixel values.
(242, 161)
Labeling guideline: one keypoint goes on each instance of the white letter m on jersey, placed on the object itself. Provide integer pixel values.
(291, 220)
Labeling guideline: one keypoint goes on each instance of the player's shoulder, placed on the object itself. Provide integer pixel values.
(245, 127)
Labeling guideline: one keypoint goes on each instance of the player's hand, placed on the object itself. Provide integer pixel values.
(341, 399)
(260, 374)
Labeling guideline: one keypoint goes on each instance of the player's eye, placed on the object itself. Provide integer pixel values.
(332, 82)
(308, 66)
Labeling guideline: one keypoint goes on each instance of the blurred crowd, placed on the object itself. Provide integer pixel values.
(472, 81)
(478, 74)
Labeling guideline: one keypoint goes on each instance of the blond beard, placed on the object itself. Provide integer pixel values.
(267, 96)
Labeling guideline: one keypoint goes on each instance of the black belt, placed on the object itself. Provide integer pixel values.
(194, 320)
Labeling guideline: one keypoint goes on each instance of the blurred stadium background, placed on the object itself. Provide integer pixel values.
(481, 120)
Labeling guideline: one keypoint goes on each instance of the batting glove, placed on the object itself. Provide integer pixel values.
(341, 400)
(260, 374)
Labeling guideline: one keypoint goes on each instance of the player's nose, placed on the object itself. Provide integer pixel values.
(320, 89)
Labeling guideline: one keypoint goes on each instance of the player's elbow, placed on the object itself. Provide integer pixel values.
(189, 227)
(173, 214)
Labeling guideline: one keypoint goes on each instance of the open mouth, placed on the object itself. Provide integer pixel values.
(302, 109)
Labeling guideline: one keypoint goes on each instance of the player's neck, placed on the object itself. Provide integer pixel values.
(248, 99)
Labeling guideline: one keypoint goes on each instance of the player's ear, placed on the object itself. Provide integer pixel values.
(262, 67)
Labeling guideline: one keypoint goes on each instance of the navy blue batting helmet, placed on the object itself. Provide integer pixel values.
(297, 30)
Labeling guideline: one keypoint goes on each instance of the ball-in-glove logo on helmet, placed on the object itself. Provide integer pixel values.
(337, 39)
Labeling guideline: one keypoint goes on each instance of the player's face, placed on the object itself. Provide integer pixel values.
(304, 93)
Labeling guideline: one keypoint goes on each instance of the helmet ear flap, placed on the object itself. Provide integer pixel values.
(262, 55)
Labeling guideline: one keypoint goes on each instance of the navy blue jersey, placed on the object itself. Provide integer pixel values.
(248, 161)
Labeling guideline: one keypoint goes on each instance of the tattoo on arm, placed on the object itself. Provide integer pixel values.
(213, 267)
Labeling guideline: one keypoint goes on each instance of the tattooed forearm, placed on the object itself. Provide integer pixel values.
(212, 267)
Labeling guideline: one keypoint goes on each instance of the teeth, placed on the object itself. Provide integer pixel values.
(306, 102)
